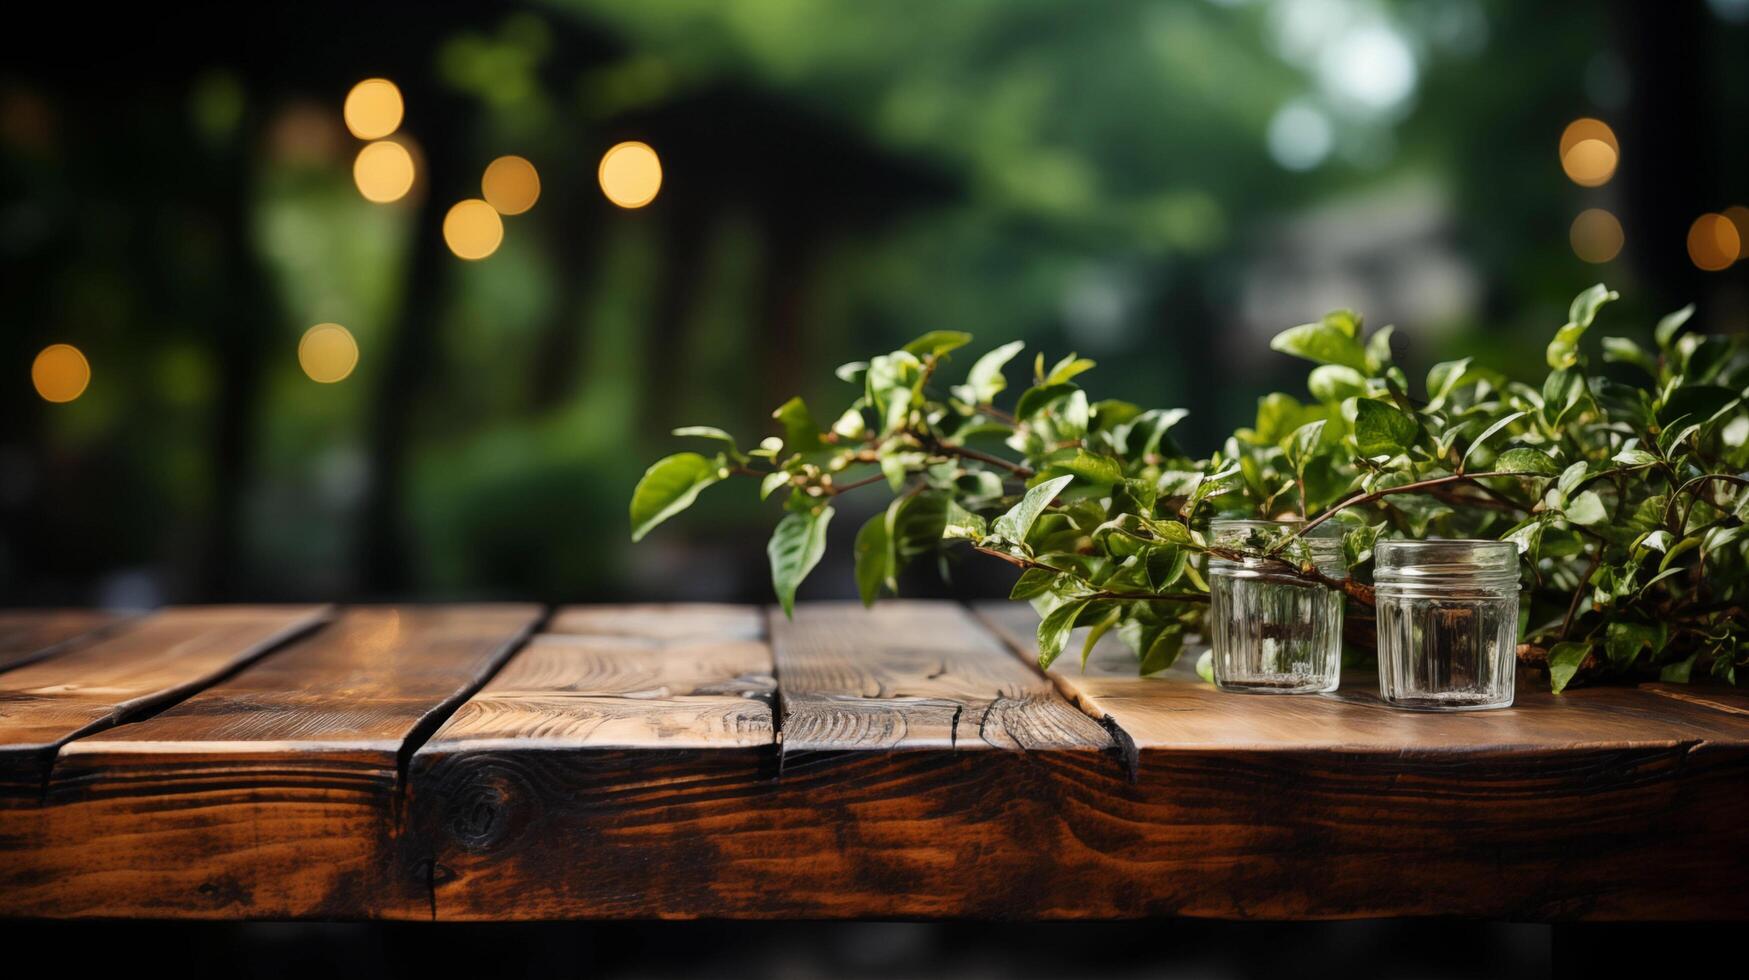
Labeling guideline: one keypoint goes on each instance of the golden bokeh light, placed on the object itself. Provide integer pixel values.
(383, 171)
(1590, 163)
(1589, 152)
(1588, 129)
(511, 185)
(1713, 242)
(1596, 235)
(473, 229)
(327, 353)
(60, 373)
(631, 175)
(373, 109)
(1739, 216)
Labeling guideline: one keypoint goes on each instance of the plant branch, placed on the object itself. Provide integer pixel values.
(1362, 499)
(1579, 593)
(940, 448)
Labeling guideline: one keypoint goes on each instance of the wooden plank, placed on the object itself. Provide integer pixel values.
(48, 703)
(914, 675)
(28, 635)
(275, 793)
(551, 795)
(597, 764)
(1601, 803)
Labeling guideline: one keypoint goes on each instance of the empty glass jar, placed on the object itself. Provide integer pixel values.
(1448, 623)
(1273, 632)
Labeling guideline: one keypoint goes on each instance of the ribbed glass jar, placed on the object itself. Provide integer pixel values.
(1448, 623)
(1271, 632)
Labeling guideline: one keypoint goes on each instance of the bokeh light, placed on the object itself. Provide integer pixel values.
(1589, 152)
(1596, 235)
(383, 171)
(1590, 163)
(327, 353)
(1739, 216)
(631, 175)
(60, 373)
(510, 184)
(1713, 242)
(373, 109)
(473, 229)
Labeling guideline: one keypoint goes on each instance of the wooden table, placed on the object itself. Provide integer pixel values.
(507, 762)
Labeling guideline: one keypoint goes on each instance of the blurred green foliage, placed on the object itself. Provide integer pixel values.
(839, 177)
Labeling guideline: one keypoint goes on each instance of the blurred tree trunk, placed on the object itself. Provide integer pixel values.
(247, 315)
(1670, 144)
(384, 531)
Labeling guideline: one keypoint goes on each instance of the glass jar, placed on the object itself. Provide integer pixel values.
(1448, 623)
(1272, 632)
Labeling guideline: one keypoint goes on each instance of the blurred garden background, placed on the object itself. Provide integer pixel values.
(269, 333)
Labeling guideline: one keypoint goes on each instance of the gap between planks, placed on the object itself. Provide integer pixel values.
(1125, 745)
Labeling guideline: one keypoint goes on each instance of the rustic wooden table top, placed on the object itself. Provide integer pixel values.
(510, 762)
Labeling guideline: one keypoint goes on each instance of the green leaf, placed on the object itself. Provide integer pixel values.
(1586, 509)
(873, 558)
(1323, 343)
(1564, 661)
(1634, 457)
(1381, 430)
(709, 432)
(1033, 583)
(851, 425)
(1563, 351)
(1699, 402)
(852, 372)
(1445, 377)
(1378, 350)
(1563, 390)
(1678, 672)
(915, 524)
(1054, 630)
(1489, 431)
(800, 433)
(1334, 382)
(1205, 666)
(1034, 399)
(985, 380)
(1623, 641)
(1163, 649)
(1621, 350)
(1524, 459)
(961, 524)
(795, 548)
(1066, 369)
(771, 482)
(1303, 444)
(668, 487)
(938, 342)
(1665, 332)
(1015, 524)
(1098, 630)
(1092, 468)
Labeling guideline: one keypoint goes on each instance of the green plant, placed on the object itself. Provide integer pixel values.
(1627, 501)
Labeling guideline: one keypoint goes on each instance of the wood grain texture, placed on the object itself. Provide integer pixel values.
(547, 818)
(629, 763)
(566, 785)
(696, 677)
(30, 635)
(275, 793)
(44, 705)
(1601, 803)
(914, 675)
(1176, 710)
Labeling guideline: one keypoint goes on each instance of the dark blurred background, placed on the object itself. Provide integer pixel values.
(1160, 186)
